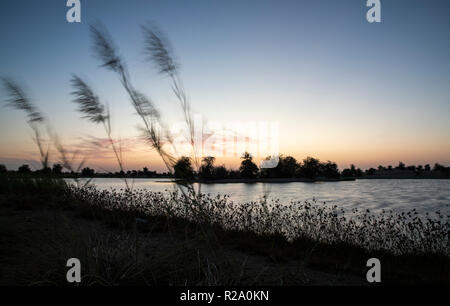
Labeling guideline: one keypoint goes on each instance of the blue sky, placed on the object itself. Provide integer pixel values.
(343, 89)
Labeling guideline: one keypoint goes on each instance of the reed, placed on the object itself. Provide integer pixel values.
(89, 104)
(18, 99)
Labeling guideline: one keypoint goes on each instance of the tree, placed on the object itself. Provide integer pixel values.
(438, 167)
(352, 172)
(329, 170)
(148, 173)
(353, 169)
(371, 171)
(3, 169)
(183, 169)
(248, 168)
(401, 166)
(57, 169)
(207, 168)
(234, 174)
(427, 167)
(24, 169)
(359, 172)
(220, 172)
(87, 172)
(287, 167)
(347, 173)
(310, 168)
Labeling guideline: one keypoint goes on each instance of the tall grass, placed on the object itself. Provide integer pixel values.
(93, 110)
(391, 232)
(40, 126)
(18, 99)
(159, 51)
(69, 162)
(106, 52)
(154, 128)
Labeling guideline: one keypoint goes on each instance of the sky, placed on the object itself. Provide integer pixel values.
(341, 88)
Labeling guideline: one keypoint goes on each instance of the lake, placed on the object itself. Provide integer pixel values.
(425, 195)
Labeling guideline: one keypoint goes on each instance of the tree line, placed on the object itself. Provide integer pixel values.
(57, 170)
(287, 167)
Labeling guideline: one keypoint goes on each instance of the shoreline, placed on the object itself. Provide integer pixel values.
(273, 180)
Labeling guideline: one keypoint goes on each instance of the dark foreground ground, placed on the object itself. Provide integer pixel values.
(41, 229)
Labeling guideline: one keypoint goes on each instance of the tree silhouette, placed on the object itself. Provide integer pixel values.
(220, 172)
(287, 167)
(183, 169)
(310, 168)
(371, 171)
(347, 173)
(438, 167)
(329, 170)
(87, 172)
(359, 172)
(3, 169)
(24, 169)
(352, 172)
(248, 168)
(57, 169)
(401, 166)
(353, 169)
(206, 171)
(147, 173)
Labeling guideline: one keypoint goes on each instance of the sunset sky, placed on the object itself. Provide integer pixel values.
(342, 89)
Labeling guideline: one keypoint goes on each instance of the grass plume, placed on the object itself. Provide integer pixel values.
(89, 104)
(154, 129)
(18, 99)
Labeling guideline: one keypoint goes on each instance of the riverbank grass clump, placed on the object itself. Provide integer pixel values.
(396, 233)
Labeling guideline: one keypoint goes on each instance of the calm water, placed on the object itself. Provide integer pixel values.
(424, 195)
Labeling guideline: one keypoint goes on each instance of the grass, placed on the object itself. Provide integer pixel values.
(144, 238)
(390, 232)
